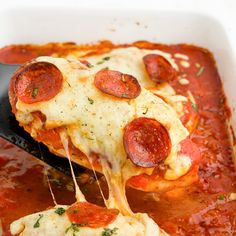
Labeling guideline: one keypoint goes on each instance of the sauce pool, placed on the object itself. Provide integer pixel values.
(203, 208)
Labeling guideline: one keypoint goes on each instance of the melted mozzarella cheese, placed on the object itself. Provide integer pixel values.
(94, 122)
(78, 193)
(97, 127)
(178, 165)
(52, 224)
(129, 61)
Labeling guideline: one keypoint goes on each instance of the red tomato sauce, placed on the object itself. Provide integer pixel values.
(203, 208)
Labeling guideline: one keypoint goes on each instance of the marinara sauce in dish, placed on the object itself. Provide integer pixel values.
(207, 207)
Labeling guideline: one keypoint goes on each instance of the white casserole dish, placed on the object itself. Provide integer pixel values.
(208, 24)
(120, 21)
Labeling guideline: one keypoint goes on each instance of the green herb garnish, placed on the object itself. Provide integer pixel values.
(106, 58)
(90, 100)
(74, 227)
(35, 92)
(37, 224)
(197, 65)
(109, 232)
(201, 70)
(60, 211)
(194, 106)
(221, 197)
(146, 111)
(56, 181)
(124, 95)
(85, 189)
(89, 65)
(103, 60)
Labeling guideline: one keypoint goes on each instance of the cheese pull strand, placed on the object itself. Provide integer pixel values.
(116, 184)
(98, 183)
(48, 180)
(78, 194)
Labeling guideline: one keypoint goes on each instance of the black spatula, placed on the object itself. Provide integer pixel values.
(11, 131)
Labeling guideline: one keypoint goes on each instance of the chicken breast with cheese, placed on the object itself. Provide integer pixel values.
(57, 222)
(113, 120)
(114, 124)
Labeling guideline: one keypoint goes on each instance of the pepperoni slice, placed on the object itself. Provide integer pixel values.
(117, 84)
(36, 82)
(91, 215)
(158, 68)
(156, 181)
(146, 142)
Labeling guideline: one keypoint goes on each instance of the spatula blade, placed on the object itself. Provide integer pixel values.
(12, 132)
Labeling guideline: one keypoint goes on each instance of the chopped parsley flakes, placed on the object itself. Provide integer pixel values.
(106, 58)
(201, 69)
(194, 106)
(109, 232)
(60, 211)
(74, 227)
(37, 224)
(124, 95)
(91, 101)
(221, 197)
(57, 182)
(103, 60)
(197, 65)
(89, 65)
(145, 111)
(35, 92)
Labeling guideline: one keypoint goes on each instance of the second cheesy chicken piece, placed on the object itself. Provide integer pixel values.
(94, 221)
